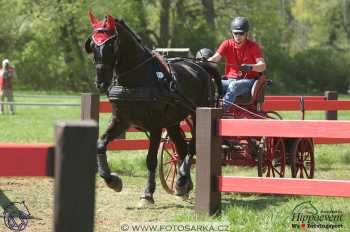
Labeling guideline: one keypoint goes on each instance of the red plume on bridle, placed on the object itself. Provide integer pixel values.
(103, 30)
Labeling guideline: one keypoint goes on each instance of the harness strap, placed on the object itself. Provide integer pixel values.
(137, 66)
(121, 93)
(174, 96)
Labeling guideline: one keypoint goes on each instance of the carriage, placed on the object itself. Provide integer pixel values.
(270, 155)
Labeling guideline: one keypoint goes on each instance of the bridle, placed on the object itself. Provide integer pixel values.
(117, 58)
(114, 42)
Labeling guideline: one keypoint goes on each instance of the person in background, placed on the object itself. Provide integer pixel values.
(7, 75)
(244, 62)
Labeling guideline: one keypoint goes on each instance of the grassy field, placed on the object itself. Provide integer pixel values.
(243, 212)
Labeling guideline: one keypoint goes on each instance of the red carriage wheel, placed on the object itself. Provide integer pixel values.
(169, 159)
(302, 159)
(168, 165)
(272, 158)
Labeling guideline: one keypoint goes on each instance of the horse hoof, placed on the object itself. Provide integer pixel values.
(184, 190)
(146, 201)
(115, 182)
(184, 197)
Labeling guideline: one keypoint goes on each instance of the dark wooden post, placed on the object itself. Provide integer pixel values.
(208, 161)
(331, 95)
(90, 103)
(75, 165)
(90, 108)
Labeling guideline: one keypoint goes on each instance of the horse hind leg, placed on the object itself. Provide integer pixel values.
(115, 128)
(151, 162)
(183, 181)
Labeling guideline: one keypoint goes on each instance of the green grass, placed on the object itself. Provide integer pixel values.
(35, 124)
(244, 212)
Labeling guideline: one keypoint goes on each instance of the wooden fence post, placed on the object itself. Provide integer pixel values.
(208, 161)
(90, 108)
(331, 95)
(90, 103)
(75, 165)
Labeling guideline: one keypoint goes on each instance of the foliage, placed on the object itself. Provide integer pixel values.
(305, 43)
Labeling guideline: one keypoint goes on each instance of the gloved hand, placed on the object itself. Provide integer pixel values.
(246, 67)
(202, 59)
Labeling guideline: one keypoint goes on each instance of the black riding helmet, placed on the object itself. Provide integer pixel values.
(240, 24)
(204, 53)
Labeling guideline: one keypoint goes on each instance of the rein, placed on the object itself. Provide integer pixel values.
(137, 66)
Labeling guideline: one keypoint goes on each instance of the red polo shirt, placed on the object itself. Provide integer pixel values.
(234, 56)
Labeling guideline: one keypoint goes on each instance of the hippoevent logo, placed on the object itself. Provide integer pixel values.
(306, 216)
(16, 216)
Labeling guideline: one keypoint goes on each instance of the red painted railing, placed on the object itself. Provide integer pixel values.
(210, 181)
(25, 159)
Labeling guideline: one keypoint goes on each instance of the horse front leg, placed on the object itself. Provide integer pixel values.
(151, 162)
(115, 128)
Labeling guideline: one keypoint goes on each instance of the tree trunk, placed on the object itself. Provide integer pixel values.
(143, 30)
(164, 23)
(209, 12)
(178, 18)
(346, 13)
(72, 53)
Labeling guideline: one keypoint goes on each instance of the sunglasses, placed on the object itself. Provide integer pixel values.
(238, 33)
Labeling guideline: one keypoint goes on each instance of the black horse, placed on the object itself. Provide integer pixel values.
(146, 93)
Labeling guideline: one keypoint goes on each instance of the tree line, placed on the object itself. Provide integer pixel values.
(305, 42)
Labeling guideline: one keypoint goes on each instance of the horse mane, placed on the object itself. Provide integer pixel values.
(131, 31)
(159, 57)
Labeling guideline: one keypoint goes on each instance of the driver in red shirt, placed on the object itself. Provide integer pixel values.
(244, 62)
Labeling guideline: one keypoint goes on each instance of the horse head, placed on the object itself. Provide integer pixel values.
(103, 44)
(118, 52)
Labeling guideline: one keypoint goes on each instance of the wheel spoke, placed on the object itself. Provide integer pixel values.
(168, 162)
(308, 158)
(170, 153)
(301, 171)
(279, 172)
(167, 175)
(268, 165)
(306, 172)
(173, 179)
(308, 164)
(297, 168)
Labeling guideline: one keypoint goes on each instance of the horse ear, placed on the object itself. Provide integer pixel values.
(110, 23)
(92, 19)
(87, 46)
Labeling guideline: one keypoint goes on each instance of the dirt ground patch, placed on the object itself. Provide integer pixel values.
(111, 208)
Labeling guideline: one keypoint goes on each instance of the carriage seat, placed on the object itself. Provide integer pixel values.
(256, 94)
